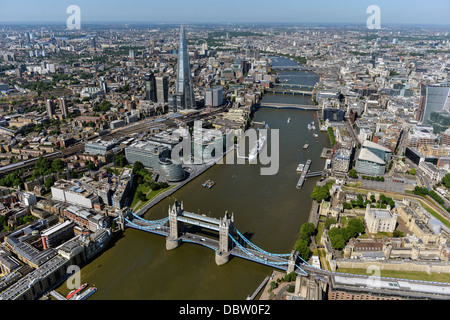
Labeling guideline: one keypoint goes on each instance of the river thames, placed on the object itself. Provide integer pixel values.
(268, 210)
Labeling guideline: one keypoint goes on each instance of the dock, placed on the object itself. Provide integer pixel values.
(56, 295)
(303, 175)
(326, 153)
(253, 296)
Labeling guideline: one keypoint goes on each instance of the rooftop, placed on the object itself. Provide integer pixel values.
(367, 155)
(371, 144)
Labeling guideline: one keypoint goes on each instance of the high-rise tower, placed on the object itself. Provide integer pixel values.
(63, 107)
(185, 88)
(49, 108)
(162, 89)
(150, 87)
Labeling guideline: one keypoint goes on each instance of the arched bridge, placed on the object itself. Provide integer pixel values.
(231, 242)
(292, 68)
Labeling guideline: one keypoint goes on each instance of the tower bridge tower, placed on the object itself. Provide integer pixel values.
(173, 239)
(225, 229)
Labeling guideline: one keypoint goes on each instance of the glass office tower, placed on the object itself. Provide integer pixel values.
(185, 90)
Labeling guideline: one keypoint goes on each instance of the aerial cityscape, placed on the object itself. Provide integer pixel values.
(248, 153)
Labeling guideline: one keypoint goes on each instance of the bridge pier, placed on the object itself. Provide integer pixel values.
(222, 257)
(124, 213)
(292, 260)
(173, 239)
(225, 227)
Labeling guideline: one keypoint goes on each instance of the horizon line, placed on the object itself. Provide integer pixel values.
(63, 23)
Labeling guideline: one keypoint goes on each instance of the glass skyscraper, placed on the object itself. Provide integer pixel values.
(434, 98)
(185, 91)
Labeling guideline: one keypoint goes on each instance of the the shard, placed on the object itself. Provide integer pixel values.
(185, 90)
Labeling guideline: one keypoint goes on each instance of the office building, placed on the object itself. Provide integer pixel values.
(50, 108)
(123, 186)
(170, 171)
(417, 157)
(29, 198)
(104, 85)
(445, 137)
(214, 97)
(116, 124)
(99, 146)
(341, 160)
(369, 163)
(156, 157)
(93, 43)
(419, 136)
(74, 193)
(63, 107)
(382, 152)
(150, 88)
(85, 218)
(57, 234)
(184, 98)
(162, 89)
(432, 171)
(434, 98)
(332, 114)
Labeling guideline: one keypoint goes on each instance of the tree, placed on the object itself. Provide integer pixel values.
(138, 166)
(17, 182)
(397, 234)
(154, 186)
(291, 276)
(347, 206)
(303, 249)
(141, 196)
(105, 105)
(337, 238)
(354, 226)
(121, 161)
(163, 185)
(58, 165)
(49, 183)
(446, 180)
(273, 285)
(321, 193)
(307, 229)
(329, 222)
(353, 174)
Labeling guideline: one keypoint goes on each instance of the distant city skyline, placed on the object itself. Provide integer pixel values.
(232, 11)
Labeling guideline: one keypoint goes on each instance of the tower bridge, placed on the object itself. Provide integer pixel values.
(230, 241)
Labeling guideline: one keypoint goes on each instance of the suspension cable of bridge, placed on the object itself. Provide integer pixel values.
(256, 257)
(301, 269)
(259, 249)
(161, 221)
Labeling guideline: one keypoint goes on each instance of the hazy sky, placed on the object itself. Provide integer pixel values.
(240, 11)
